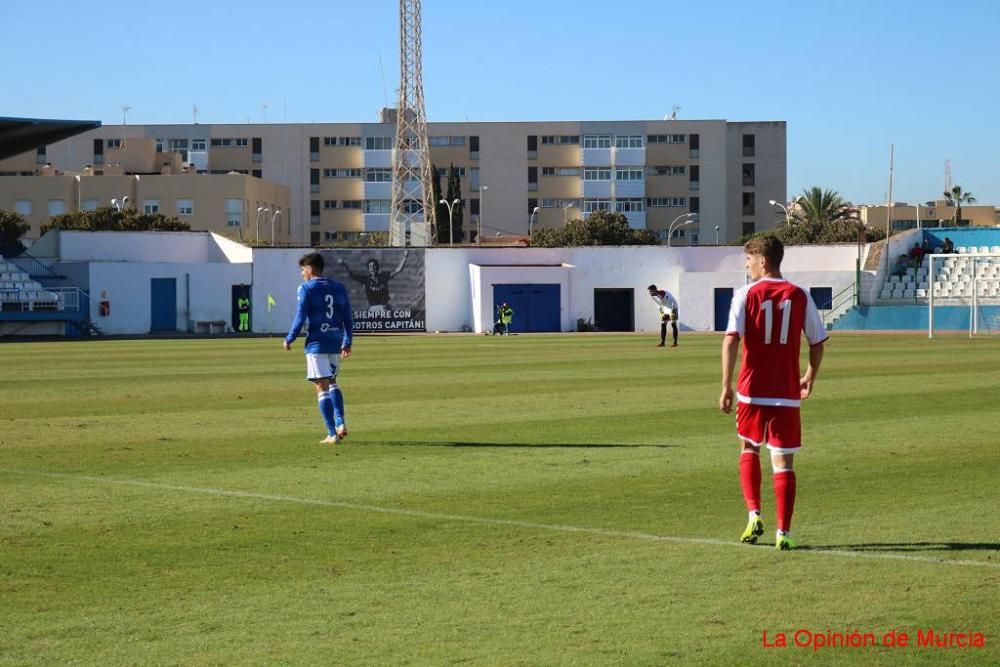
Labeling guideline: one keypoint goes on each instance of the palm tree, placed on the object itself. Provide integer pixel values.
(956, 198)
(819, 206)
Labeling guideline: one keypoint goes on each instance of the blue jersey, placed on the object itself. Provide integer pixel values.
(324, 304)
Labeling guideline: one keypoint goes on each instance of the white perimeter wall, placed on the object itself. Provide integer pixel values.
(180, 247)
(128, 289)
(691, 274)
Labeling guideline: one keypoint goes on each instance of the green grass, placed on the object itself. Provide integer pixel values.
(501, 501)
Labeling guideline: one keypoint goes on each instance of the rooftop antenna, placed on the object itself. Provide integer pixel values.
(194, 113)
(385, 91)
(947, 176)
(673, 111)
(263, 108)
(125, 109)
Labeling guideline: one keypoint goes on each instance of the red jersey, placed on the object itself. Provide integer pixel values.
(770, 316)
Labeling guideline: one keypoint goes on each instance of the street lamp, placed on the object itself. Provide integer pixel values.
(482, 208)
(256, 235)
(716, 235)
(79, 186)
(275, 216)
(788, 218)
(566, 214)
(531, 221)
(688, 219)
(451, 215)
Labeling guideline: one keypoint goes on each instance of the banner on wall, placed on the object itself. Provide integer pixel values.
(385, 285)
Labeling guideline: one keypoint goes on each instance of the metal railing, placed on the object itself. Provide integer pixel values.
(841, 302)
(34, 267)
(49, 299)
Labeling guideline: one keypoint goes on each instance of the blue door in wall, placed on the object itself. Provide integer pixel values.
(536, 306)
(723, 299)
(163, 304)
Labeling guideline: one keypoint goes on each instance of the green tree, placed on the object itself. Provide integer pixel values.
(956, 198)
(599, 228)
(12, 230)
(816, 205)
(455, 192)
(108, 218)
(440, 210)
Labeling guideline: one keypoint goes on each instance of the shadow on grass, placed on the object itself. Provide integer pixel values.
(521, 445)
(908, 546)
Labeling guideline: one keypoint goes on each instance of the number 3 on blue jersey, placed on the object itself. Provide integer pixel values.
(329, 306)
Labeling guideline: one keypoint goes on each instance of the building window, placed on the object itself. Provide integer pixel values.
(630, 205)
(257, 173)
(314, 212)
(749, 145)
(159, 145)
(597, 173)
(378, 143)
(341, 173)
(355, 204)
(234, 212)
(198, 145)
(314, 180)
(749, 175)
(532, 205)
(695, 180)
(378, 206)
(694, 205)
(314, 149)
(474, 146)
(666, 139)
(748, 228)
(114, 143)
(185, 207)
(150, 206)
(443, 171)
(629, 174)
(749, 204)
(474, 207)
(666, 202)
(378, 175)
(597, 141)
(57, 207)
(563, 139)
(592, 205)
(532, 145)
(23, 207)
(90, 204)
(329, 204)
(629, 141)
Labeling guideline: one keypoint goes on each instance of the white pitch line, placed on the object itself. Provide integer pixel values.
(438, 516)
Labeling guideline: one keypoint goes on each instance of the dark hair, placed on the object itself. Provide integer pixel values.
(770, 247)
(313, 260)
(651, 288)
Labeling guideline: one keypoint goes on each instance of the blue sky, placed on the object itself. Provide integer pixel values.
(849, 77)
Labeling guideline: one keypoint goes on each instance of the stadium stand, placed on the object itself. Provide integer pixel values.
(19, 291)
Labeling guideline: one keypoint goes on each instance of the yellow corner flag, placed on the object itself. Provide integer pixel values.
(271, 303)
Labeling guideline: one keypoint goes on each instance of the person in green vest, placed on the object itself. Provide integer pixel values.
(243, 305)
(506, 317)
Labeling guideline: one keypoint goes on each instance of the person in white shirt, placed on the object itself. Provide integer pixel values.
(667, 305)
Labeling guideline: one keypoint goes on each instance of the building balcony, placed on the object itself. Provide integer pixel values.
(596, 157)
(376, 222)
(630, 189)
(630, 157)
(593, 189)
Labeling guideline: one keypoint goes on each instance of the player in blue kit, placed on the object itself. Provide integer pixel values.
(324, 304)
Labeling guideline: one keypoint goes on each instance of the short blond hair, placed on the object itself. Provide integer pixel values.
(770, 247)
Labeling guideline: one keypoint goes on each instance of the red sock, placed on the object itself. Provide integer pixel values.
(750, 479)
(784, 498)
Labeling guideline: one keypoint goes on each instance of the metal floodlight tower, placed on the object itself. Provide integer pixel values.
(412, 205)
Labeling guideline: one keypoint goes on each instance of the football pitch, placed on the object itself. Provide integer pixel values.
(528, 500)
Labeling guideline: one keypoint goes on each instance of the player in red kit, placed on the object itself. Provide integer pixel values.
(769, 315)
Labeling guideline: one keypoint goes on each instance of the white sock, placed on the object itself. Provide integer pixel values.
(783, 533)
(753, 514)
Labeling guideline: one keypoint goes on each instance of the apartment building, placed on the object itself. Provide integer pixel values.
(136, 174)
(939, 213)
(339, 174)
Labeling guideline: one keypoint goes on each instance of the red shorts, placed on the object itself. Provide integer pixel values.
(777, 427)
